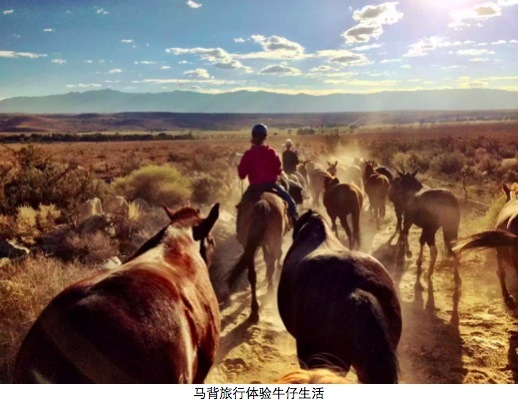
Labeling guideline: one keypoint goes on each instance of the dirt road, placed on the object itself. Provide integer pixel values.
(449, 335)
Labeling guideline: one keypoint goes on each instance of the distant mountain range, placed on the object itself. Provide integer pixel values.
(110, 101)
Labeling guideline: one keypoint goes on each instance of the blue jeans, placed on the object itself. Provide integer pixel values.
(292, 206)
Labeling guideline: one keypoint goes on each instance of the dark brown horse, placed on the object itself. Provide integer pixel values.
(376, 186)
(260, 222)
(504, 238)
(395, 196)
(341, 200)
(340, 305)
(154, 319)
(429, 209)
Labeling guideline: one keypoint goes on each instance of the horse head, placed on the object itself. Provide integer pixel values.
(186, 226)
(331, 168)
(409, 185)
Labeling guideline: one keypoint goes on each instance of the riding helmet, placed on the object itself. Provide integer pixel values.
(259, 132)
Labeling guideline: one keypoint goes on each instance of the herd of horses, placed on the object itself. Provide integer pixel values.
(156, 319)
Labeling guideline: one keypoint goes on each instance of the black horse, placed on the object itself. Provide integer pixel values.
(429, 209)
(340, 305)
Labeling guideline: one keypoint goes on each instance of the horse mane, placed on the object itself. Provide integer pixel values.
(185, 213)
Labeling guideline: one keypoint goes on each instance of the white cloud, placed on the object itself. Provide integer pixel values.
(499, 42)
(278, 43)
(13, 54)
(193, 4)
(506, 3)
(474, 15)
(112, 82)
(370, 22)
(279, 70)
(479, 59)
(115, 71)
(216, 56)
(83, 85)
(391, 60)
(48, 30)
(474, 52)
(102, 11)
(367, 47)
(165, 67)
(176, 81)
(343, 57)
(239, 40)
(322, 68)
(145, 62)
(426, 45)
(127, 40)
(7, 12)
(198, 73)
(89, 61)
(362, 33)
(58, 61)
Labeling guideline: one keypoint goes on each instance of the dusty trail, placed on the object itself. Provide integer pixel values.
(449, 335)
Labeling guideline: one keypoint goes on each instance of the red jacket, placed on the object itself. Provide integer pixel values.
(261, 164)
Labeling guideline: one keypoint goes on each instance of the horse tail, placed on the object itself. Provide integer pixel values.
(487, 239)
(374, 357)
(255, 237)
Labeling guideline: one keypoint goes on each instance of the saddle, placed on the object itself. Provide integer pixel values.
(253, 194)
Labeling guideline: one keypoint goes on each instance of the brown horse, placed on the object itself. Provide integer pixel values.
(504, 238)
(261, 221)
(376, 186)
(429, 209)
(341, 200)
(154, 319)
(340, 305)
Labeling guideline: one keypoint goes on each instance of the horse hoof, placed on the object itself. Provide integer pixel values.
(510, 302)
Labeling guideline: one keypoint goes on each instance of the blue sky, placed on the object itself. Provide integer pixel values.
(286, 46)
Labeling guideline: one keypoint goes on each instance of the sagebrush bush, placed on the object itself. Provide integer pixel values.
(207, 189)
(448, 163)
(90, 248)
(157, 185)
(26, 287)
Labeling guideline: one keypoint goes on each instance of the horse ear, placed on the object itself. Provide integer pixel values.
(507, 192)
(400, 173)
(336, 163)
(415, 172)
(328, 164)
(169, 212)
(203, 229)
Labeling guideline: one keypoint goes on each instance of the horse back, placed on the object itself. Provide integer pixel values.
(438, 207)
(133, 326)
(343, 198)
(330, 277)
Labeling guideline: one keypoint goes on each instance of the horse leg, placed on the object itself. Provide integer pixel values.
(503, 254)
(269, 259)
(334, 227)
(345, 225)
(252, 278)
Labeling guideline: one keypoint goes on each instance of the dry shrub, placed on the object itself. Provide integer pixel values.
(207, 190)
(410, 161)
(47, 217)
(155, 184)
(25, 289)
(91, 248)
(26, 221)
(448, 163)
(8, 227)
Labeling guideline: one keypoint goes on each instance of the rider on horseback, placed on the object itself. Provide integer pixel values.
(262, 165)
